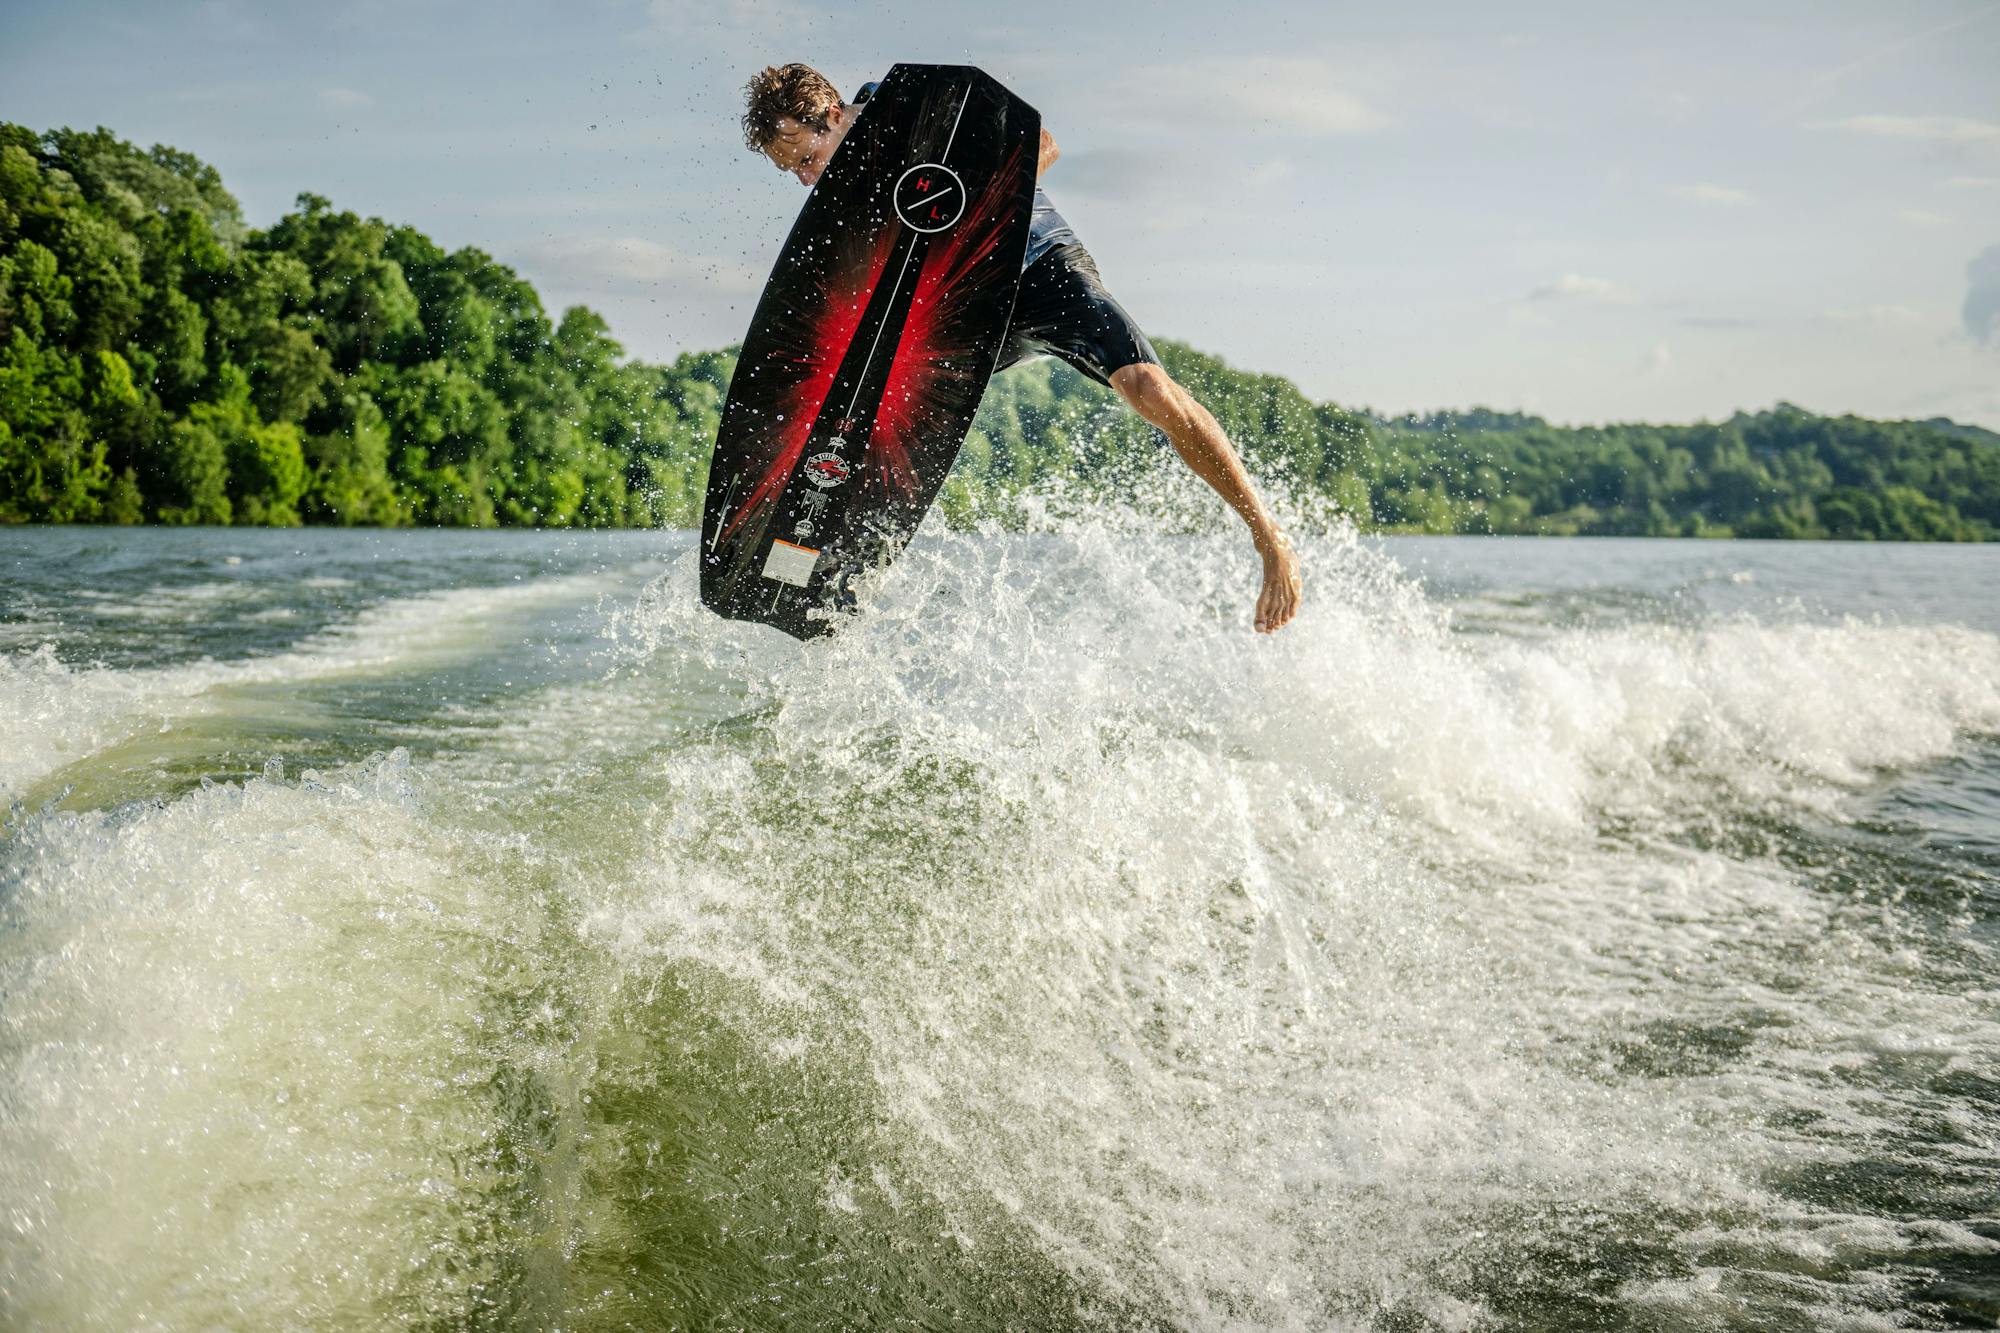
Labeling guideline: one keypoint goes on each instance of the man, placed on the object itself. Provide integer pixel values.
(796, 119)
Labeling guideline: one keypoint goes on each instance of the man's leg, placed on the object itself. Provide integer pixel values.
(1198, 439)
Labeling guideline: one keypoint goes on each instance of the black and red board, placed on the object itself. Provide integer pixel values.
(870, 347)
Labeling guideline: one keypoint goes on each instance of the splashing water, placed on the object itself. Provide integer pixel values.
(1043, 950)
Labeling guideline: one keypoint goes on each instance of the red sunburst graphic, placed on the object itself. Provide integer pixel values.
(933, 352)
(844, 292)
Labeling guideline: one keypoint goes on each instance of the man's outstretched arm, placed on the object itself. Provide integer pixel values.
(1199, 440)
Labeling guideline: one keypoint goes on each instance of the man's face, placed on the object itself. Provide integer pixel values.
(804, 150)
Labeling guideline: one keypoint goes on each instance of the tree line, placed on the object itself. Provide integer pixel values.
(1780, 473)
(161, 361)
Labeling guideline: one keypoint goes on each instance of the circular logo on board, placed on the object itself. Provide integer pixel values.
(826, 470)
(929, 197)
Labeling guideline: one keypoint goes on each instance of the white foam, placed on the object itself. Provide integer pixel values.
(1242, 942)
(244, 1056)
(53, 714)
(1303, 982)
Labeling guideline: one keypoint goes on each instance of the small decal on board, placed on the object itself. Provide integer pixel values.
(790, 564)
(827, 469)
(813, 503)
(929, 196)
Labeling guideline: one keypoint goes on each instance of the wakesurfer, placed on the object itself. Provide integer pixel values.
(796, 118)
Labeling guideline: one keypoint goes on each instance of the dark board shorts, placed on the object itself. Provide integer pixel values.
(1063, 311)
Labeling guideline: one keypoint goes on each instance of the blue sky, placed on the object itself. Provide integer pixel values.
(1594, 211)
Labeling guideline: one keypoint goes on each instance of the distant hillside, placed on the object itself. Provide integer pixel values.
(1780, 473)
(160, 361)
(1976, 434)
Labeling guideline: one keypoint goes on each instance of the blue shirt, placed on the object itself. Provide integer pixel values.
(1046, 228)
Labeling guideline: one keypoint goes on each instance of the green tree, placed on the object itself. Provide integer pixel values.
(349, 463)
(193, 486)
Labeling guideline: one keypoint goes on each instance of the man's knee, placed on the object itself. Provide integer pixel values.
(1151, 392)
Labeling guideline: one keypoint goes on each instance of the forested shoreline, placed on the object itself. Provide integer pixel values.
(163, 362)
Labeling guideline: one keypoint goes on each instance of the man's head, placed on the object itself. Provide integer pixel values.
(795, 118)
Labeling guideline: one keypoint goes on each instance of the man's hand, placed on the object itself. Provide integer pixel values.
(1283, 587)
(1047, 155)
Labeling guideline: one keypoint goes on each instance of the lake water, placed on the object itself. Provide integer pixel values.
(467, 930)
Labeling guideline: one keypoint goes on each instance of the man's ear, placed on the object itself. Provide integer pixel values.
(837, 116)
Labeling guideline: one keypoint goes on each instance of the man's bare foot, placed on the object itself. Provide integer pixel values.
(1283, 588)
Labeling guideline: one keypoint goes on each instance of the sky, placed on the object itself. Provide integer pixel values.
(1594, 211)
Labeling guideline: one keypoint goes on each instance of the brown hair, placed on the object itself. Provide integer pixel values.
(798, 91)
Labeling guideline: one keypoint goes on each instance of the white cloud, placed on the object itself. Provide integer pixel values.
(618, 263)
(345, 97)
(1659, 361)
(1920, 217)
(1578, 287)
(1927, 129)
(1892, 315)
(1274, 172)
(1511, 118)
(1819, 85)
(1307, 108)
(1134, 175)
(760, 17)
(1721, 196)
(1147, 188)
(1303, 95)
(1971, 183)
(638, 201)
